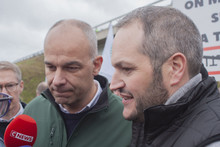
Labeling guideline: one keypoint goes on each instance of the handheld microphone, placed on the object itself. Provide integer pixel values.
(22, 131)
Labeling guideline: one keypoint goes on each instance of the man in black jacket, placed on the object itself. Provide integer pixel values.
(10, 84)
(167, 93)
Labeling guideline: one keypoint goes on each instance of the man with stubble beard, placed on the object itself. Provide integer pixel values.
(157, 55)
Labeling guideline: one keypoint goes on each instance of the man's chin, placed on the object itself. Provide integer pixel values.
(128, 116)
(60, 100)
(131, 116)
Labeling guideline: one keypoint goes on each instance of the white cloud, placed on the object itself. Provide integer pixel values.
(24, 23)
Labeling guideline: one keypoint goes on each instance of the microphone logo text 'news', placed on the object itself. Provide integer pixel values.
(21, 136)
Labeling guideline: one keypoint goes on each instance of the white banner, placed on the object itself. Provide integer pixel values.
(107, 69)
(206, 15)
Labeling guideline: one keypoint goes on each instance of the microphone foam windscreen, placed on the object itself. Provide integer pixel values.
(21, 131)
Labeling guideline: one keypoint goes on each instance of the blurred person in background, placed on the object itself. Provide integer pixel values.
(12, 85)
(42, 86)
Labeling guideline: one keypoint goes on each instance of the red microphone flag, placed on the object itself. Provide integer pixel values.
(21, 131)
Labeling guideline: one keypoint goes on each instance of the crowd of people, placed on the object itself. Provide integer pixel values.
(160, 94)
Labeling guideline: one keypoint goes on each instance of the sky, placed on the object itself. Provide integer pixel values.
(24, 23)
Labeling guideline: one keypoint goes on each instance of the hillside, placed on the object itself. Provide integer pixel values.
(32, 73)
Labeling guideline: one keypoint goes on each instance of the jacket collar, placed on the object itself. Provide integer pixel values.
(159, 118)
(102, 102)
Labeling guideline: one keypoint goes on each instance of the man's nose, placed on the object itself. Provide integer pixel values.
(4, 90)
(59, 78)
(116, 83)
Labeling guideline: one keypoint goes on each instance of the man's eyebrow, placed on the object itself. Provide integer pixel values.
(46, 62)
(65, 64)
(73, 63)
(122, 63)
(118, 64)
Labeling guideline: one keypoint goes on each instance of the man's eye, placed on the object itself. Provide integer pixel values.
(9, 85)
(50, 67)
(72, 68)
(126, 69)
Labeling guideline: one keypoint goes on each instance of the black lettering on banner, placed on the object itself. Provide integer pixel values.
(212, 58)
(205, 38)
(217, 36)
(197, 3)
(213, 2)
(189, 5)
(215, 17)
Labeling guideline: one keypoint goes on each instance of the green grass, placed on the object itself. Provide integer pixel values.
(32, 73)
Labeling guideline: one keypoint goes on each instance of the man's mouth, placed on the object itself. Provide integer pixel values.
(60, 93)
(126, 96)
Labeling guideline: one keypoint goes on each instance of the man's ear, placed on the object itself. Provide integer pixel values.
(21, 86)
(178, 68)
(97, 62)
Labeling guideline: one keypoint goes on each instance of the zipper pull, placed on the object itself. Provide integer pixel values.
(51, 135)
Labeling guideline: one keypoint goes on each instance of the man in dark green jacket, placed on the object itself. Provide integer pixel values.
(78, 109)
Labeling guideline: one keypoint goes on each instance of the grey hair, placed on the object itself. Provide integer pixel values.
(5, 65)
(167, 31)
(87, 30)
